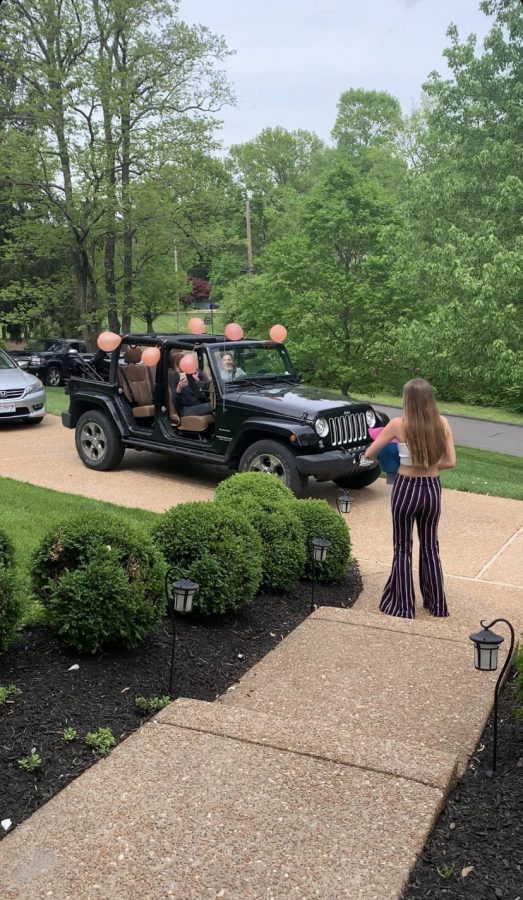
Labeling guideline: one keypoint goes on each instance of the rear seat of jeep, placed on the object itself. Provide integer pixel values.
(137, 383)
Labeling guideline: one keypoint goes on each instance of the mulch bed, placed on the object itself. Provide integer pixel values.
(211, 655)
(476, 849)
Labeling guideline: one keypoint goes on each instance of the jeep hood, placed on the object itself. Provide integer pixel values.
(293, 400)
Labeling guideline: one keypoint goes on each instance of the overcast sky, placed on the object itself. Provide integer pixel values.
(295, 57)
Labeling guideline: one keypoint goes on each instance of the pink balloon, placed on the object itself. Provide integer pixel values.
(233, 331)
(278, 333)
(196, 325)
(151, 356)
(189, 363)
(108, 341)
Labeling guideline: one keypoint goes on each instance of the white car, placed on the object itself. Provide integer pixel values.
(22, 396)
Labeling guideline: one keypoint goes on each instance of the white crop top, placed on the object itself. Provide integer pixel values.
(404, 452)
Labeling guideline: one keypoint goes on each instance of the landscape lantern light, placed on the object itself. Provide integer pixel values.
(180, 595)
(343, 502)
(183, 594)
(486, 647)
(319, 547)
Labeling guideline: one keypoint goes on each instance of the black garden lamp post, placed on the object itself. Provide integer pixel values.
(180, 596)
(486, 646)
(319, 547)
(343, 502)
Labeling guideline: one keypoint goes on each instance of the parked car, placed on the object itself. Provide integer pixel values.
(50, 358)
(262, 418)
(22, 396)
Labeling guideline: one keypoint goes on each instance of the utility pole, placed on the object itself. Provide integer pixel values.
(250, 267)
(175, 253)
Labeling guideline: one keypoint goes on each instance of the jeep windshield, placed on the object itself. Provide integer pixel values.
(255, 362)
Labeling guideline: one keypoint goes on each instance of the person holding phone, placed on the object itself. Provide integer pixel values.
(425, 446)
(186, 391)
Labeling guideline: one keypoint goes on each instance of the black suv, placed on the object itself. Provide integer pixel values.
(50, 358)
(262, 418)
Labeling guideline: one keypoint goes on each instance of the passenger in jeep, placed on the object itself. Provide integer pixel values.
(186, 391)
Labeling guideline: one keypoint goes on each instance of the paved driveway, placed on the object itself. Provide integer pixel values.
(479, 433)
(46, 455)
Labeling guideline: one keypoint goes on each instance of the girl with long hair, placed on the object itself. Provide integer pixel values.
(425, 446)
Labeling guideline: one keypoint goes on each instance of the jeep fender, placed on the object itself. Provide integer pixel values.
(258, 428)
(101, 404)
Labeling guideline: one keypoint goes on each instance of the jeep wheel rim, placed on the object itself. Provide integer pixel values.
(93, 442)
(54, 378)
(270, 465)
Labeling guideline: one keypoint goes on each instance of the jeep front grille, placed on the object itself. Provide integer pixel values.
(349, 429)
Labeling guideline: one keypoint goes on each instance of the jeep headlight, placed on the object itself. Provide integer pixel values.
(35, 360)
(321, 427)
(32, 388)
(371, 418)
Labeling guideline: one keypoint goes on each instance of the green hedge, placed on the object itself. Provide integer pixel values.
(101, 582)
(253, 484)
(7, 551)
(10, 608)
(215, 547)
(320, 520)
(282, 536)
(10, 598)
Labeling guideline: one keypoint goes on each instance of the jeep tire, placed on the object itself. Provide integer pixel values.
(359, 479)
(274, 459)
(53, 376)
(97, 441)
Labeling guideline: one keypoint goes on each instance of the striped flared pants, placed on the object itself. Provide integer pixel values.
(415, 499)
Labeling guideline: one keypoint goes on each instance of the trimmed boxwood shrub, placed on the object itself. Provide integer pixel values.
(282, 536)
(7, 550)
(10, 599)
(10, 607)
(101, 582)
(320, 520)
(215, 547)
(253, 484)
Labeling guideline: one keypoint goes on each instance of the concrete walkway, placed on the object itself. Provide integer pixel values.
(322, 772)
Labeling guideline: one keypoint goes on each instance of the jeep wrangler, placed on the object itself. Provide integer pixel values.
(263, 419)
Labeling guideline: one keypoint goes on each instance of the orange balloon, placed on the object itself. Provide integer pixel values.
(151, 356)
(197, 325)
(278, 333)
(108, 341)
(233, 331)
(189, 363)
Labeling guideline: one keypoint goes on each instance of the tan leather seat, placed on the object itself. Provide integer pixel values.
(184, 423)
(137, 383)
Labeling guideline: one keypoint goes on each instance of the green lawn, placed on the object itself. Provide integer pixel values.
(454, 409)
(29, 512)
(482, 472)
(56, 400)
(170, 323)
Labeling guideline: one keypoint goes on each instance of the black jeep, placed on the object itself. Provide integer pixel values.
(262, 418)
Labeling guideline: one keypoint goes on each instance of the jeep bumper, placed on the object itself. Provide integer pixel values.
(66, 420)
(332, 464)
